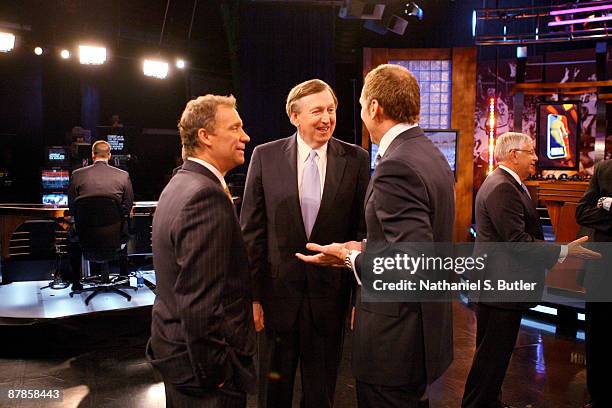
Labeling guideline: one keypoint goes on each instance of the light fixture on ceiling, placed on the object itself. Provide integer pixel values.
(7, 41)
(92, 55)
(180, 63)
(155, 68)
(38, 50)
(65, 54)
(412, 9)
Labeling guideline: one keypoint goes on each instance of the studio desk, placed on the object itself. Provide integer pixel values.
(561, 199)
(13, 215)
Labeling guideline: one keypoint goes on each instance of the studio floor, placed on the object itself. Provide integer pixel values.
(98, 361)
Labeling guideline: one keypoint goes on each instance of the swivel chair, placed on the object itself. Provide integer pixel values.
(99, 227)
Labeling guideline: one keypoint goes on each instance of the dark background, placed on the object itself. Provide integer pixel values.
(256, 50)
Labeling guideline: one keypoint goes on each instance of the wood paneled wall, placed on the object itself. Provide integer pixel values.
(462, 116)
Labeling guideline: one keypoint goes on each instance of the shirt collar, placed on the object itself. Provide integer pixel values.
(212, 168)
(105, 161)
(391, 134)
(512, 173)
(304, 149)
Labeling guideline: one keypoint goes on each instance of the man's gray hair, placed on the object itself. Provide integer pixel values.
(507, 142)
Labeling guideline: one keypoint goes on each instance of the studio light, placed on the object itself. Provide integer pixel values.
(92, 55)
(38, 51)
(7, 42)
(180, 63)
(155, 68)
(65, 54)
(412, 9)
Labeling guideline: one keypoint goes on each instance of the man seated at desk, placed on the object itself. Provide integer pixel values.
(99, 179)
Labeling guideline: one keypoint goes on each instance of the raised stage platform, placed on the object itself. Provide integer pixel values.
(25, 302)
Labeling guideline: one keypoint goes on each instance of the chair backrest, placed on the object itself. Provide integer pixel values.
(99, 225)
(33, 240)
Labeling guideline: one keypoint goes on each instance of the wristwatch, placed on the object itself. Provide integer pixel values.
(600, 202)
(347, 258)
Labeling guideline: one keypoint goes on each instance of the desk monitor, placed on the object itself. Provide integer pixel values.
(117, 143)
(55, 179)
(444, 139)
(81, 155)
(57, 156)
(55, 199)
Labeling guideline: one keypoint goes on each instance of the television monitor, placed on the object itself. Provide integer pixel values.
(557, 143)
(444, 139)
(55, 199)
(55, 179)
(81, 155)
(57, 156)
(117, 143)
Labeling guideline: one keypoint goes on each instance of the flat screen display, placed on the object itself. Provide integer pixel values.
(57, 155)
(55, 199)
(55, 179)
(558, 135)
(444, 139)
(117, 143)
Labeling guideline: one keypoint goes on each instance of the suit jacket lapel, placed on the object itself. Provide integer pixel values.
(190, 165)
(288, 166)
(336, 163)
(531, 207)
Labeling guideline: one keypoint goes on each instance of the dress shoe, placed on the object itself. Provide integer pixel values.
(77, 287)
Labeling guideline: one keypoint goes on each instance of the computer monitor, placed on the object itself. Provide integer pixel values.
(446, 141)
(55, 199)
(57, 156)
(55, 179)
(117, 143)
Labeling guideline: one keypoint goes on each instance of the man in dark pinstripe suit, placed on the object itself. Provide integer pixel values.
(202, 332)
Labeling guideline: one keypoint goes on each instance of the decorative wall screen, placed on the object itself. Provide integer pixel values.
(434, 78)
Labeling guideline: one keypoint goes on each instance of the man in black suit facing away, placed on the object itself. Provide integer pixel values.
(594, 211)
(202, 335)
(307, 186)
(399, 348)
(506, 213)
(100, 179)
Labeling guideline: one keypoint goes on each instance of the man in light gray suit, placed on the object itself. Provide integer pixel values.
(202, 333)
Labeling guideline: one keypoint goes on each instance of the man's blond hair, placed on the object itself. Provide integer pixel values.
(396, 90)
(200, 114)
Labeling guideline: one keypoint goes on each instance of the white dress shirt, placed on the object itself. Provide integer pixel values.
(302, 156)
(212, 168)
(391, 134)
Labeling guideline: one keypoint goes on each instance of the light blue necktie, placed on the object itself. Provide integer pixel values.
(310, 198)
(525, 190)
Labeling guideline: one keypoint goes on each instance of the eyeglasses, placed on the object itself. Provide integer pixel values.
(531, 152)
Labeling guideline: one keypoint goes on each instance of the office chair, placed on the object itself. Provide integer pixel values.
(32, 252)
(99, 227)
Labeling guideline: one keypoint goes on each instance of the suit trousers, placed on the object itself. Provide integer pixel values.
(496, 333)
(319, 357)
(225, 397)
(383, 396)
(598, 354)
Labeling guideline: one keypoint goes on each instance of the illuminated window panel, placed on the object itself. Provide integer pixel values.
(435, 82)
